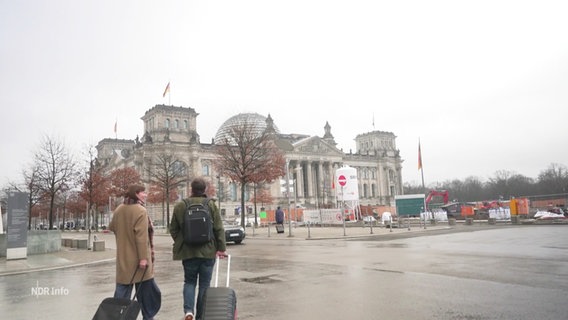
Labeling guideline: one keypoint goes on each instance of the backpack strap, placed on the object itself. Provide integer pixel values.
(206, 204)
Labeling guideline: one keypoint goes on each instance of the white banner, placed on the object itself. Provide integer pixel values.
(323, 216)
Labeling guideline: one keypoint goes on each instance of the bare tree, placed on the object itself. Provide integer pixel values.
(95, 188)
(55, 170)
(167, 173)
(31, 187)
(554, 179)
(248, 154)
(121, 179)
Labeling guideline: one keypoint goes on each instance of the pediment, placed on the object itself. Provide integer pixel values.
(316, 145)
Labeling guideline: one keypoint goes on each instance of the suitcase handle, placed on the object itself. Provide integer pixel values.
(217, 269)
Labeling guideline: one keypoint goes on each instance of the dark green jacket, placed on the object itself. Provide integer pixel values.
(181, 251)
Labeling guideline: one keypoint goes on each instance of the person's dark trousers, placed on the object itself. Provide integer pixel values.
(196, 269)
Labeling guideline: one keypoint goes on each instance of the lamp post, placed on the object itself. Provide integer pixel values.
(220, 193)
(288, 196)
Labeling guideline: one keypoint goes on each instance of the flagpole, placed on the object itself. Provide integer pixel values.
(168, 91)
(420, 165)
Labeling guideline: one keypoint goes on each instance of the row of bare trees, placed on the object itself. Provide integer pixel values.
(59, 185)
(503, 185)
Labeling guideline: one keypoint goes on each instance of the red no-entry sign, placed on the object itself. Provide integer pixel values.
(342, 180)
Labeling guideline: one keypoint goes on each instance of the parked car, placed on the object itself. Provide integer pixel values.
(234, 232)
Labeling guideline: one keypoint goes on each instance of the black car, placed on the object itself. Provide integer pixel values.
(234, 232)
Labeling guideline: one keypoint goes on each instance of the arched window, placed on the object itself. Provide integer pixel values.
(176, 123)
(167, 123)
(185, 124)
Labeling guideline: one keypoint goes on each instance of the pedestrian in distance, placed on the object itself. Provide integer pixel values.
(279, 216)
(198, 260)
(134, 232)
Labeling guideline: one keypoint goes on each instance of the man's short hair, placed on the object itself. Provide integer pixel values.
(198, 186)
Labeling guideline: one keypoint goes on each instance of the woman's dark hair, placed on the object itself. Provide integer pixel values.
(198, 186)
(133, 190)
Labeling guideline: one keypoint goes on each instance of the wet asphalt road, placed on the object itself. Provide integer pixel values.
(512, 272)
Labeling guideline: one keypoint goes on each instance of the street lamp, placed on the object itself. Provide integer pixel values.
(219, 192)
(288, 196)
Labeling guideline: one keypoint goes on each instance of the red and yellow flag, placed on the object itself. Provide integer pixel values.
(419, 157)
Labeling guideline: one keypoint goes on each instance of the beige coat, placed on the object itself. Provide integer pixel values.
(130, 226)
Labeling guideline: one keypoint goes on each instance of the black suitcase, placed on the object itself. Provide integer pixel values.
(280, 228)
(220, 303)
(117, 309)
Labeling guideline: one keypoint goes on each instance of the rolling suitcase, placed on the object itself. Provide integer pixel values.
(220, 303)
(119, 308)
(280, 228)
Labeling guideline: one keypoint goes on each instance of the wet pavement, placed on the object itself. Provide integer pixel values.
(72, 257)
(441, 272)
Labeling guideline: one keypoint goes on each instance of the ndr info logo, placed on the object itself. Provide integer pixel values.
(49, 291)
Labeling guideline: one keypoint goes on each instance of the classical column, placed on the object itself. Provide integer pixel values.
(310, 181)
(299, 181)
(320, 186)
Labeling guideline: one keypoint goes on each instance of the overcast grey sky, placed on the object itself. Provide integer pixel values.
(482, 84)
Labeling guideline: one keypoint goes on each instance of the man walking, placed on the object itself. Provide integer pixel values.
(279, 216)
(197, 259)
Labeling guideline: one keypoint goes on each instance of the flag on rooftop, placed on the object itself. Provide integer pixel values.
(166, 90)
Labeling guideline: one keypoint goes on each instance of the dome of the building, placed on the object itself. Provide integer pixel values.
(257, 121)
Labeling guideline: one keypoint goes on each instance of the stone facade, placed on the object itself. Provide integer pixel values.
(312, 161)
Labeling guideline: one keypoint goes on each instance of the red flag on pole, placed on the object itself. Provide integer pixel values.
(333, 181)
(166, 90)
(419, 157)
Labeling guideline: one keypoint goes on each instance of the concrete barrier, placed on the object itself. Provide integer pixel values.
(99, 245)
(452, 221)
(468, 221)
(492, 221)
(82, 243)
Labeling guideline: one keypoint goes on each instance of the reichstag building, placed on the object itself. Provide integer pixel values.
(312, 160)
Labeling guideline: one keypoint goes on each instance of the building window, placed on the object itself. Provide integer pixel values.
(365, 191)
(176, 123)
(374, 190)
(205, 170)
(185, 124)
(179, 168)
(233, 191)
(167, 123)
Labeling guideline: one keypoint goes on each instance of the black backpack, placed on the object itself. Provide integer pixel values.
(197, 223)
